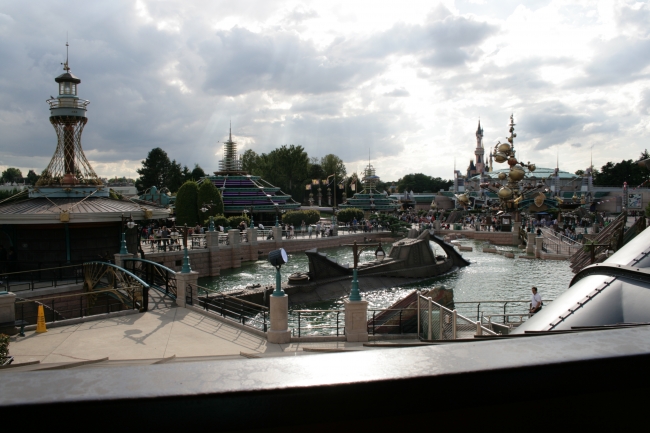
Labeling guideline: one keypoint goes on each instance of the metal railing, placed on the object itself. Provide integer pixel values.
(493, 308)
(156, 275)
(317, 322)
(230, 307)
(560, 248)
(436, 322)
(392, 321)
(68, 103)
(40, 278)
(77, 305)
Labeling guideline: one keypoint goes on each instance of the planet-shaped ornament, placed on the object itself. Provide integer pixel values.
(505, 193)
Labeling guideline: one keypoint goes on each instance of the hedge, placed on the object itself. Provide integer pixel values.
(348, 214)
(296, 217)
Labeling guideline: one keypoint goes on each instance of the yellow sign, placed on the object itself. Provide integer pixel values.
(40, 321)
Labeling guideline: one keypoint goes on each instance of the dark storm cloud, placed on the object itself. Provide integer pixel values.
(239, 61)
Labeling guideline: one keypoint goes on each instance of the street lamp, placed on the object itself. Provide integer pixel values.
(355, 295)
(130, 224)
(277, 258)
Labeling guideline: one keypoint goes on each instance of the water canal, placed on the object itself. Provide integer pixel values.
(490, 277)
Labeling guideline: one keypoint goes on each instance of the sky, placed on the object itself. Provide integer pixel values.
(402, 82)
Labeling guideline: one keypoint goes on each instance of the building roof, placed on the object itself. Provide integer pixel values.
(92, 209)
(539, 173)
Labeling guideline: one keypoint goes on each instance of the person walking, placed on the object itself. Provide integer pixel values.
(318, 228)
(535, 301)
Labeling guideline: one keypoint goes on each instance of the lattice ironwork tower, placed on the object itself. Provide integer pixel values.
(69, 166)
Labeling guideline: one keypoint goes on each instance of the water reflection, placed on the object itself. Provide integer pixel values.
(489, 277)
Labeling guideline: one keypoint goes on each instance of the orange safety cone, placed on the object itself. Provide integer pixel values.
(40, 321)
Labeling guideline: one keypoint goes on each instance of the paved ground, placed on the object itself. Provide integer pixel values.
(159, 333)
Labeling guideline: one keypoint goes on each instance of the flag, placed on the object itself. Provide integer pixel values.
(307, 187)
(315, 181)
(353, 187)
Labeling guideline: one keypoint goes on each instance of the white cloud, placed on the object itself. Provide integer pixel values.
(407, 81)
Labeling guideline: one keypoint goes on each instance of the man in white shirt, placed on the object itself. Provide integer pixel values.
(535, 302)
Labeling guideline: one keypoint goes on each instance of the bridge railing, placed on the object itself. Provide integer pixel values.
(495, 308)
(229, 307)
(317, 322)
(41, 277)
(156, 275)
(76, 305)
(392, 321)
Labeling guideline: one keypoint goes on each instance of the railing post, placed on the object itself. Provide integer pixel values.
(81, 306)
(479, 330)
(430, 330)
(478, 308)
(373, 321)
(53, 312)
(505, 319)
(299, 327)
(454, 317)
(419, 315)
(400, 322)
(338, 313)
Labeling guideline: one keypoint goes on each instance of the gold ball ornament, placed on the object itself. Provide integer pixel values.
(500, 157)
(505, 193)
(504, 148)
(502, 176)
(517, 173)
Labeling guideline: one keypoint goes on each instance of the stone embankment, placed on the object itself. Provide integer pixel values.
(210, 260)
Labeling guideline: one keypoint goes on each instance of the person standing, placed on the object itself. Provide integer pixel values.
(535, 301)
(317, 228)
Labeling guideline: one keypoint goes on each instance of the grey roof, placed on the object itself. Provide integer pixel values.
(539, 173)
(92, 209)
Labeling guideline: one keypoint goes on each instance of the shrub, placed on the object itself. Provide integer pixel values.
(349, 214)
(219, 220)
(186, 210)
(296, 217)
(234, 221)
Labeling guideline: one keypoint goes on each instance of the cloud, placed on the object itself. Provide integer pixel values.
(398, 93)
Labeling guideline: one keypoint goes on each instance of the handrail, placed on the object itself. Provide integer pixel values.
(131, 274)
(205, 289)
(39, 269)
(151, 262)
(76, 294)
(488, 302)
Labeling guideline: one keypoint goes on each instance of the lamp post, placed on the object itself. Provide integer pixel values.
(355, 295)
(130, 224)
(277, 258)
(211, 226)
(252, 222)
(185, 269)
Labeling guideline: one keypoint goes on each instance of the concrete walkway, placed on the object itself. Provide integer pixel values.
(159, 333)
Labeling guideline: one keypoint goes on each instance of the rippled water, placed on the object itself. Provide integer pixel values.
(489, 277)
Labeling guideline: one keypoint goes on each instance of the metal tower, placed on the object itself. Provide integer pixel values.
(230, 163)
(69, 166)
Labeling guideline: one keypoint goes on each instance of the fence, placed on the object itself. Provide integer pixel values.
(496, 308)
(156, 275)
(317, 322)
(77, 305)
(436, 322)
(42, 278)
(392, 321)
(230, 307)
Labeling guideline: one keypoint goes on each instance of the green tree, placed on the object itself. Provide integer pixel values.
(32, 177)
(614, 174)
(287, 167)
(197, 173)
(175, 176)
(332, 164)
(12, 174)
(187, 211)
(209, 196)
(250, 162)
(155, 170)
(579, 172)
